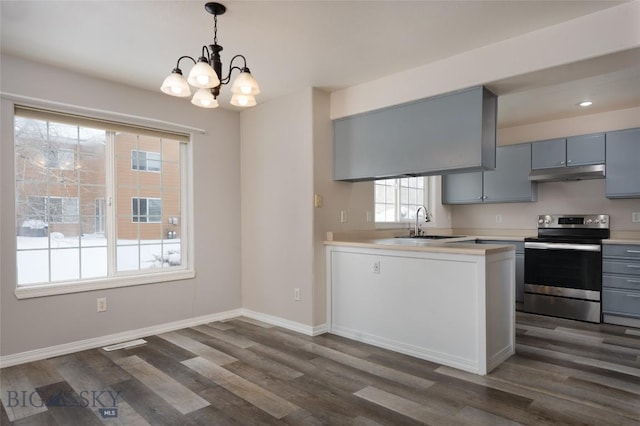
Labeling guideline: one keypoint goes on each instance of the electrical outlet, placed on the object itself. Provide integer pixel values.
(296, 294)
(343, 216)
(635, 217)
(498, 218)
(369, 216)
(101, 304)
(317, 200)
(376, 267)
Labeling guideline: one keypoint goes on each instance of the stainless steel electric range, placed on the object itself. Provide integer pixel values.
(563, 266)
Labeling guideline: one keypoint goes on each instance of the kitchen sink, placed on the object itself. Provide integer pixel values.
(433, 237)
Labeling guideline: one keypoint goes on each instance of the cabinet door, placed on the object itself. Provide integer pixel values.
(462, 188)
(623, 164)
(548, 154)
(586, 149)
(509, 182)
(621, 302)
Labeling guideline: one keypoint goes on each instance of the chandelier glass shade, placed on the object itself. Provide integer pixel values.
(206, 74)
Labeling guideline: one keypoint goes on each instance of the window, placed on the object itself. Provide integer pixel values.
(87, 211)
(146, 210)
(397, 200)
(142, 160)
(53, 209)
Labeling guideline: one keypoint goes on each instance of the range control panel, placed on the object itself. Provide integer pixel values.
(597, 221)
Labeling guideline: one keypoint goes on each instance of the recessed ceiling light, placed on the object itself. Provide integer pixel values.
(585, 103)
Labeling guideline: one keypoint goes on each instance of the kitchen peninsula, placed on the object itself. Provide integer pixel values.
(446, 301)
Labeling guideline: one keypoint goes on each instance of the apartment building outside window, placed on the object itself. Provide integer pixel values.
(96, 200)
(143, 160)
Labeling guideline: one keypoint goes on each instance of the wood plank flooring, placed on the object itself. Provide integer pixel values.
(243, 372)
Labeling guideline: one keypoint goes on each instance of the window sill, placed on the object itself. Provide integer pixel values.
(41, 290)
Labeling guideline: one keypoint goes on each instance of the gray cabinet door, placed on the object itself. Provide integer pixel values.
(462, 188)
(623, 164)
(509, 182)
(549, 154)
(586, 149)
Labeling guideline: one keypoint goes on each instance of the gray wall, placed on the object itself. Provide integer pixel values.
(277, 215)
(46, 321)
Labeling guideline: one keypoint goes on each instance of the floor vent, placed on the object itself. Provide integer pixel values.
(125, 345)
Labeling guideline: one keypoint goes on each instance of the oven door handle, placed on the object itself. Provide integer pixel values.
(562, 246)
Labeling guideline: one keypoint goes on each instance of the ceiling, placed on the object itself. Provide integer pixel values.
(290, 45)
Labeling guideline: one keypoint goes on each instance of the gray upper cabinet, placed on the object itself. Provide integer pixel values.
(585, 150)
(509, 182)
(549, 154)
(573, 151)
(623, 164)
(462, 188)
(451, 132)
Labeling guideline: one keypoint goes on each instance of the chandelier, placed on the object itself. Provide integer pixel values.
(206, 74)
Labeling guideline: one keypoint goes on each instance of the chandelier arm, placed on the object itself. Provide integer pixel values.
(183, 57)
(234, 67)
(205, 49)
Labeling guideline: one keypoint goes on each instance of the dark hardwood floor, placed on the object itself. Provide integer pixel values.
(242, 372)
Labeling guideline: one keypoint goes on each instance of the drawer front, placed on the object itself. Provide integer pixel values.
(519, 244)
(620, 282)
(629, 251)
(619, 302)
(621, 267)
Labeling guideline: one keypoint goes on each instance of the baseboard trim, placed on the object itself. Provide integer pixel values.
(96, 342)
(624, 321)
(285, 323)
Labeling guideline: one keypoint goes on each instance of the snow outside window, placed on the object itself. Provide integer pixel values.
(397, 200)
(86, 207)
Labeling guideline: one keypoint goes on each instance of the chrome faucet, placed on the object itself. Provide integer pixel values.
(427, 218)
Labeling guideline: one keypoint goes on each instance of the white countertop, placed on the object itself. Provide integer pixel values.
(460, 245)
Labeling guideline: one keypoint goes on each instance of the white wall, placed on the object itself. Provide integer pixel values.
(29, 324)
(277, 207)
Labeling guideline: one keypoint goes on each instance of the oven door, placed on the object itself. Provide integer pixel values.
(569, 269)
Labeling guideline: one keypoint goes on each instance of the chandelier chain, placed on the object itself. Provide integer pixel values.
(215, 29)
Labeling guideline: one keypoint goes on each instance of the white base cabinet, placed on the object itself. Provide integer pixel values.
(454, 309)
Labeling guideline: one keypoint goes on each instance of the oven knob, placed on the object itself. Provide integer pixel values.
(547, 221)
(540, 220)
(589, 221)
(603, 220)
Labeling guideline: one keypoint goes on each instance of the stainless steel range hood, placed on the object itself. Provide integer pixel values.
(596, 171)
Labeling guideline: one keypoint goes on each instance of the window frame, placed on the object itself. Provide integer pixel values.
(120, 279)
(428, 188)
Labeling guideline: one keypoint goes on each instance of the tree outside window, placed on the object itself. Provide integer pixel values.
(82, 195)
